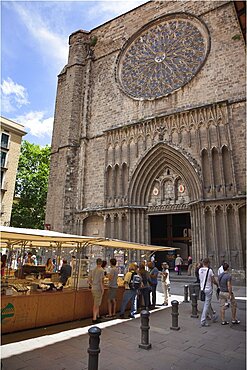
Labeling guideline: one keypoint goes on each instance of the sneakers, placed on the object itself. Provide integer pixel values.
(132, 316)
(205, 325)
(224, 323)
(235, 322)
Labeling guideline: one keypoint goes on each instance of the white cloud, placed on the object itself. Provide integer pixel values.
(114, 8)
(13, 95)
(119, 7)
(36, 124)
(53, 47)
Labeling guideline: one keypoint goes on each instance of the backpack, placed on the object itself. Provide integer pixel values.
(135, 281)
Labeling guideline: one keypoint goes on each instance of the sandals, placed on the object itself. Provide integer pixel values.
(224, 323)
(235, 322)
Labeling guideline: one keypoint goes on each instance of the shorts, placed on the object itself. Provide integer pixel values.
(97, 297)
(224, 298)
(112, 293)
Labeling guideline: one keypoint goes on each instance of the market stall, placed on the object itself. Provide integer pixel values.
(32, 300)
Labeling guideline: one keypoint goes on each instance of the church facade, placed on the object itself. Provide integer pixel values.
(149, 132)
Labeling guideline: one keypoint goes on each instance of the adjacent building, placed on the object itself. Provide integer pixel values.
(149, 132)
(11, 137)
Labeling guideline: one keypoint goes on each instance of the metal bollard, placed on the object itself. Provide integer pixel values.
(145, 330)
(93, 350)
(174, 316)
(186, 293)
(194, 305)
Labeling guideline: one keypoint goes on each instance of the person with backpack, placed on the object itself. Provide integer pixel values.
(132, 282)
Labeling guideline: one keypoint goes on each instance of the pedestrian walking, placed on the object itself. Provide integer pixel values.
(207, 279)
(189, 265)
(178, 264)
(226, 295)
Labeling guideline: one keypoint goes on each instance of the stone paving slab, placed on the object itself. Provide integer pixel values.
(192, 347)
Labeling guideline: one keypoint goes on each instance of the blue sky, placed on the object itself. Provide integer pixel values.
(34, 49)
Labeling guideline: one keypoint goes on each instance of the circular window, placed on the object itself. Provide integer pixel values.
(163, 56)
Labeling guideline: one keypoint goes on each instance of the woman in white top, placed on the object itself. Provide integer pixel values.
(165, 279)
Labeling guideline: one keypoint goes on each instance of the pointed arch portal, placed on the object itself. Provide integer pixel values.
(165, 165)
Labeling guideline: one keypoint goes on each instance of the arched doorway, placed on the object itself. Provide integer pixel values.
(166, 182)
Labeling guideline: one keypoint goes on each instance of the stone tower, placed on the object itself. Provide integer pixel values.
(149, 132)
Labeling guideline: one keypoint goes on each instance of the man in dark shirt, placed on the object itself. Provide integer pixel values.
(153, 271)
(226, 294)
(65, 272)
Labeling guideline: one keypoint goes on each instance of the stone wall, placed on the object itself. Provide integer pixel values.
(111, 152)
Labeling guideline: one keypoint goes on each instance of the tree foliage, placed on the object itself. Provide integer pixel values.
(31, 186)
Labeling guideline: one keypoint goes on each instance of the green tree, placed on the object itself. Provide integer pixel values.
(31, 186)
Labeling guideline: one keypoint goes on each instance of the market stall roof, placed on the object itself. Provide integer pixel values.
(114, 243)
(18, 235)
(47, 238)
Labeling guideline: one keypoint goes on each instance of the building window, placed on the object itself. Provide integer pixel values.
(4, 141)
(2, 176)
(3, 159)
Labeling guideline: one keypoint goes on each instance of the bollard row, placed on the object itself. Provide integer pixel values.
(194, 306)
(174, 315)
(93, 350)
(186, 294)
(145, 330)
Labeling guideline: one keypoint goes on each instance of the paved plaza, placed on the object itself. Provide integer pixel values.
(64, 346)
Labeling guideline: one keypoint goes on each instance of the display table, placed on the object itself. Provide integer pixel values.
(38, 309)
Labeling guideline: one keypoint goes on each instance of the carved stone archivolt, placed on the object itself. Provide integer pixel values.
(163, 56)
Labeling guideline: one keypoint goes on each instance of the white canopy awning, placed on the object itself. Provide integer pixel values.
(46, 238)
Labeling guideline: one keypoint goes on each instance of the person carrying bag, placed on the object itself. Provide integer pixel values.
(202, 294)
(207, 279)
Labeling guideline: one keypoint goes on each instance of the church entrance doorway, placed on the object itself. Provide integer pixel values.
(171, 230)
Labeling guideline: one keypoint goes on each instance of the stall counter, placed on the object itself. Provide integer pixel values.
(38, 309)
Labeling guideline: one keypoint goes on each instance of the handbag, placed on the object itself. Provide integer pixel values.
(202, 293)
(202, 296)
(176, 269)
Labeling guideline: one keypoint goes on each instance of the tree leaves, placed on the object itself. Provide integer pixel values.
(31, 186)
